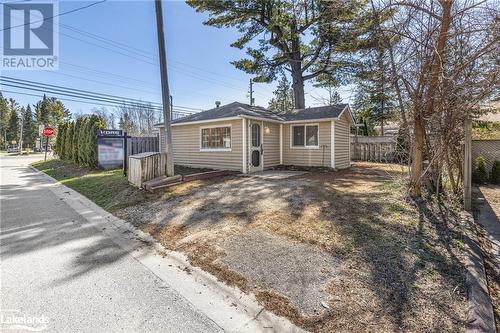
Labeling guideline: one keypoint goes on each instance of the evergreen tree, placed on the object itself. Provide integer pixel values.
(42, 112)
(308, 38)
(283, 97)
(14, 127)
(30, 130)
(77, 140)
(59, 146)
(68, 141)
(50, 111)
(4, 121)
(94, 123)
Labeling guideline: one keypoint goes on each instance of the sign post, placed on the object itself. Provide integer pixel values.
(47, 132)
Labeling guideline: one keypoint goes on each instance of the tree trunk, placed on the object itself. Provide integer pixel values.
(296, 66)
(435, 71)
(298, 86)
(418, 157)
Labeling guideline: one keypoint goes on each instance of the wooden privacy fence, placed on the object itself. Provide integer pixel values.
(374, 149)
(142, 144)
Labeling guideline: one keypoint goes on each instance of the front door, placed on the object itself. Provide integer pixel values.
(255, 140)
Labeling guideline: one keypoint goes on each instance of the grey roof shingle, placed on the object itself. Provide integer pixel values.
(237, 109)
(230, 110)
(330, 111)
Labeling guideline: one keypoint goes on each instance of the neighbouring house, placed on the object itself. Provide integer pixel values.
(248, 138)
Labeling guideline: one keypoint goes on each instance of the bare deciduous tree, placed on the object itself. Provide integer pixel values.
(445, 64)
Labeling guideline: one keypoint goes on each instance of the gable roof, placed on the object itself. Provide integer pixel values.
(230, 110)
(330, 111)
(237, 109)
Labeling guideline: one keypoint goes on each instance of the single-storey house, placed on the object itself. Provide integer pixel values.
(248, 138)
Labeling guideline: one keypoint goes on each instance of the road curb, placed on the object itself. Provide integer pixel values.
(240, 312)
(480, 317)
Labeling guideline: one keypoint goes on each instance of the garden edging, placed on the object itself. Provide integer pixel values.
(480, 318)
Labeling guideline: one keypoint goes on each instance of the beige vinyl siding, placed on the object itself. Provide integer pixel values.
(308, 156)
(342, 136)
(186, 143)
(271, 145)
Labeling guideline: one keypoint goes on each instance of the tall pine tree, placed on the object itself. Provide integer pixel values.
(308, 38)
(283, 97)
(30, 131)
(4, 121)
(13, 130)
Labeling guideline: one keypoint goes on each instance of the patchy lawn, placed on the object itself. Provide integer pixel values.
(107, 188)
(332, 251)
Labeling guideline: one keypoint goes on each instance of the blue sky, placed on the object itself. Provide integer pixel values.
(199, 57)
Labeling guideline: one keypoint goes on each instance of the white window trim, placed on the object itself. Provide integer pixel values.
(304, 146)
(215, 149)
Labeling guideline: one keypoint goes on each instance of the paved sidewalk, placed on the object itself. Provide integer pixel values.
(82, 269)
(489, 221)
(56, 265)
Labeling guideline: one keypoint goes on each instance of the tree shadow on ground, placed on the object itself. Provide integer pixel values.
(399, 257)
(34, 220)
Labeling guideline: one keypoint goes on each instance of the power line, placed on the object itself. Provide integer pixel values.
(106, 73)
(100, 82)
(126, 48)
(72, 90)
(51, 17)
(83, 94)
(141, 51)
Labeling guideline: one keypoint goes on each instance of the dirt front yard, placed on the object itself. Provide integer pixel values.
(332, 251)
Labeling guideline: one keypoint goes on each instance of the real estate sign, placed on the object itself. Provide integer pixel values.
(110, 148)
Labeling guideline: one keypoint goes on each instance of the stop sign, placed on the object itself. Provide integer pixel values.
(48, 131)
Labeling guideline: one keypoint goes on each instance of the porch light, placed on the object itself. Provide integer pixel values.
(267, 130)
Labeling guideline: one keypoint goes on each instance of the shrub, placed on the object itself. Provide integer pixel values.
(93, 124)
(68, 141)
(78, 141)
(480, 175)
(495, 173)
(59, 146)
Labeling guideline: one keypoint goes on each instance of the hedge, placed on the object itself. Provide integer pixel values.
(479, 173)
(77, 142)
(495, 173)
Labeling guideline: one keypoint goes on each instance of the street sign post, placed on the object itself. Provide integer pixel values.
(47, 132)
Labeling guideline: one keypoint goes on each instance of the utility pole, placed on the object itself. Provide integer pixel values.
(164, 89)
(252, 101)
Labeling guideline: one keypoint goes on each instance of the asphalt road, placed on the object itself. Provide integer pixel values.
(68, 276)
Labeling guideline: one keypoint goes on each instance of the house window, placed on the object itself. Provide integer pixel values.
(216, 138)
(305, 136)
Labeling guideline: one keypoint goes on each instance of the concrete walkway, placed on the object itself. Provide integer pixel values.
(489, 221)
(73, 267)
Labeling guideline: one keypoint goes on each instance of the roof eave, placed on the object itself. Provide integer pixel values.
(349, 111)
